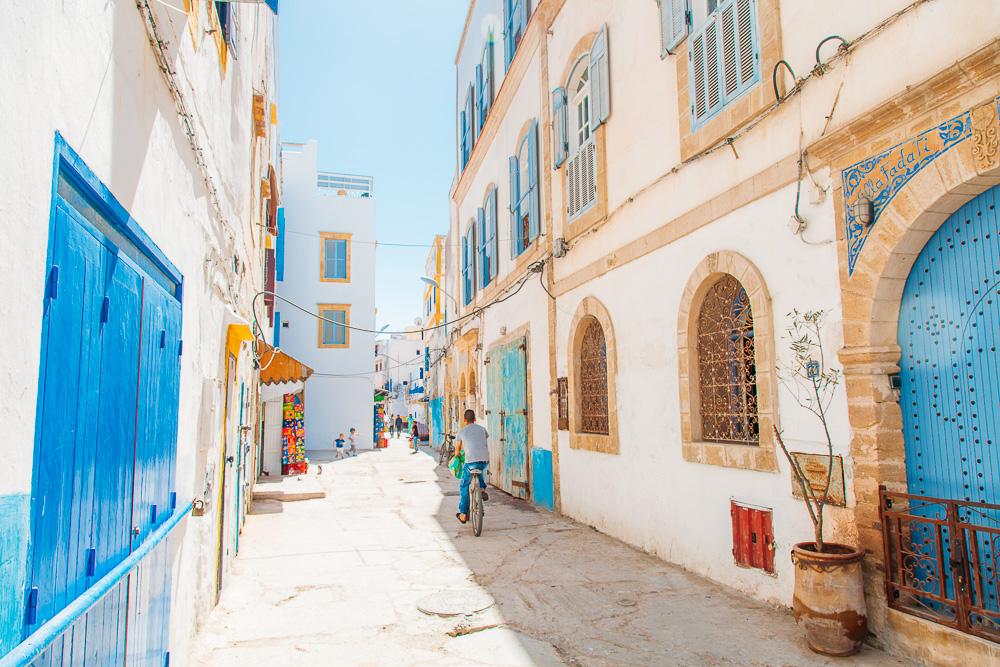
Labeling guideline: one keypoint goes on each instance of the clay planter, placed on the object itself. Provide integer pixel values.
(829, 601)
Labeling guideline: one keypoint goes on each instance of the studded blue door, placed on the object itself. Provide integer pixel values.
(949, 329)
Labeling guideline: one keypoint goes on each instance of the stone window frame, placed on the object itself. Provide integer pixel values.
(592, 309)
(761, 457)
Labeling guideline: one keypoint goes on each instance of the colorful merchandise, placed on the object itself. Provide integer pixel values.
(293, 436)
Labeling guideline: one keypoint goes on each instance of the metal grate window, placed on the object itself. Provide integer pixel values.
(593, 380)
(727, 370)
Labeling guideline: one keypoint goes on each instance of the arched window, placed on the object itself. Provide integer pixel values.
(593, 380)
(579, 104)
(727, 368)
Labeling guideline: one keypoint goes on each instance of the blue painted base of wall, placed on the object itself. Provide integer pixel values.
(14, 525)
(541, 478)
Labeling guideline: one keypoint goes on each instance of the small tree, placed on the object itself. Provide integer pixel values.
(812, 384)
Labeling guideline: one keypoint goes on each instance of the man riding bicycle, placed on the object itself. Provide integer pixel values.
(472, 438)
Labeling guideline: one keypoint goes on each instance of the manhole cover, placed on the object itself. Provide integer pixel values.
(455, 602)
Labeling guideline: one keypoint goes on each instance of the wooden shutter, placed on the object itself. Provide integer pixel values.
(479, 102)
(461, 140)
(738, 46)
(674, 20)
(466, 297)
(484, 260)
(491, 212)
(533, 186)
(514, 194)
(600, 91)
(560, 143)
(706, 93)
(488, 78)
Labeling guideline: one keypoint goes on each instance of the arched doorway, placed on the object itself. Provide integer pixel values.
(949, 329)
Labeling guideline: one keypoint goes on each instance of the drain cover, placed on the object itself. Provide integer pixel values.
(455, 602)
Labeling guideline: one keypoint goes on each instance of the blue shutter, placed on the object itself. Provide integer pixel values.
(276, 339)
(484, 260)
(675, 16)
(600, 92)
(491, 213)
(470, 119)
(533, 186)
(738, 48)
(508, 34)
(479, 102)
(471, 233)
(488, 78)
(465, 270)
(560, 143)
(705, 63)
(461, 141)
(515, 227)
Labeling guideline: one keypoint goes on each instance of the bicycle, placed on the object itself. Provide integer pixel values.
(447, 449)
(476, 510)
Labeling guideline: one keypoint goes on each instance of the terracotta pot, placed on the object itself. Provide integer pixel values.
(829, 601)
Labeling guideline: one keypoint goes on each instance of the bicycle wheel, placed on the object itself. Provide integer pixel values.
(476, 506)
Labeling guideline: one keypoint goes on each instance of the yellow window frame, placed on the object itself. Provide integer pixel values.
(322, 308)
(333, 236)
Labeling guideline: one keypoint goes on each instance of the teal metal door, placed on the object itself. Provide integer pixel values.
(508, 416)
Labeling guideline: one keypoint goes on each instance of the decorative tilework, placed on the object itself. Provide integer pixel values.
(879, 178)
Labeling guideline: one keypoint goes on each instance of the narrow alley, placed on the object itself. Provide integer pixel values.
(340, 580)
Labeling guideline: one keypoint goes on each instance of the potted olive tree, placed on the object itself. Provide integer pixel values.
(829, 602)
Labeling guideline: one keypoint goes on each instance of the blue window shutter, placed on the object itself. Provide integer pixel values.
(674, 20)
(279, 259)
(484, 259)
(276, 338)
(470, 119)
(738, 47)
(705, 64)
(461, 141)
(491, 213)
(560, 144)
(465, 270)
(524, 12)
(479, 102)
(515, 227)
(600, 91)
(508, 33)
(533, 199)
(488, 78)
(472, 257)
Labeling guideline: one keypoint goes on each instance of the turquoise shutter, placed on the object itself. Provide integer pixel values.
(461, 140)
(488, 77)
(560, 144)
(470, 119)
(491, 223)
(479, 102)
(484, 260)
(465, 270)
(600, 91)
(515, 227)
(706, 91)
(533, 199)
(674, 20)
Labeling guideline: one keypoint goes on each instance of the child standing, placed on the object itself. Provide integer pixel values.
(339, 443)
(353, 451)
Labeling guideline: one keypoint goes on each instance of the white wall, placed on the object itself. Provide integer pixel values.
(86, 69)
(332, 404)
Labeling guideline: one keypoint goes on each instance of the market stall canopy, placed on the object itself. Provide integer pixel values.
(276, 367)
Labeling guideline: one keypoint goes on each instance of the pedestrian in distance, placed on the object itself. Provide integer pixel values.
(339, 445)
(399, 426)
(353, 451)
(473, 438)
(414, 438)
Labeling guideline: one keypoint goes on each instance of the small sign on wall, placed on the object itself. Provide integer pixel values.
(816, 467)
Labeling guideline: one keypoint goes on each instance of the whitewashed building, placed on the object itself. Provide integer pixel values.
(399, 365)
(327, 267)
(140, 194)
(651, 188)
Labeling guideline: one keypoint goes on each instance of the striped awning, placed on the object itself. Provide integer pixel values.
(277, 367)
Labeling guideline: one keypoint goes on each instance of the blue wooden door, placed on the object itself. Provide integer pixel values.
(508, 416)
(949, 330)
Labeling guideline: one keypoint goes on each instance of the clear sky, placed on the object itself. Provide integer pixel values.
(374, 83)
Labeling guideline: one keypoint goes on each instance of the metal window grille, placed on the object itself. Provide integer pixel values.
(727, 370)
(563, 404)
(593, 380)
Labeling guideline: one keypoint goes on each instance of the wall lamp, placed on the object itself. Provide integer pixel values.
(864, 211)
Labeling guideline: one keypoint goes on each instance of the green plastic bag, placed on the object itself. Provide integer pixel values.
(457, 463)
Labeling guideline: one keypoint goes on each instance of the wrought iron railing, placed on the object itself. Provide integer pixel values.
(121, 619)
(941, 560)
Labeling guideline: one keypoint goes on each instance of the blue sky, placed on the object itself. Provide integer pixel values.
(374, 83)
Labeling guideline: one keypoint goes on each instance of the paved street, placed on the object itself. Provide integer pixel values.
(337, 581)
